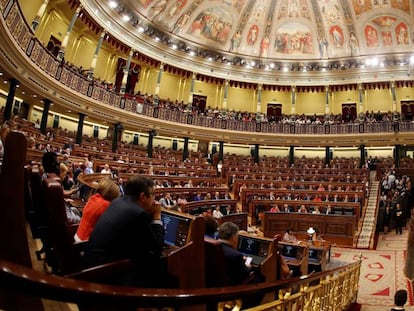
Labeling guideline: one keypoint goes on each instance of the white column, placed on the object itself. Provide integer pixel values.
(39, 15)
(293, 100)
(66, 38)
(259, 97)
(226, 92)
(95, 56)
(126, 72)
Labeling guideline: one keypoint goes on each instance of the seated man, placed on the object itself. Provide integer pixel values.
(168, 202)
(238, 272)
(131, 228)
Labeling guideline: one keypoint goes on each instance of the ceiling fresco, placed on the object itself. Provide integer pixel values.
(284, 29)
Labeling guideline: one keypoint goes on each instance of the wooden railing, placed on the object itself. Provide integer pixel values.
(332, 290)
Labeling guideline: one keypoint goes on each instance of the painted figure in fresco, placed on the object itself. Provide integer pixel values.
(252, 35)
(157, 9)
(371, 37)
(235, 41)
(224, 33)
(337, 37)
(264, 46)
(353, 44)
(196, 27)
(386, 38)
(402, 35)
(323, 46)
(179, 4)
(181, 22)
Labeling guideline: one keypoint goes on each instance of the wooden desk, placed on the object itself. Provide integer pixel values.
(338, 229)
(296, 256)
(263, 251)
(319, 255)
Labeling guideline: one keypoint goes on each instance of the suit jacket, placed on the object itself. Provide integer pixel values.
(125, 230)
(237, 271)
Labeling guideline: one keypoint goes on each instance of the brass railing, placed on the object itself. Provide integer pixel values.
(331, 290)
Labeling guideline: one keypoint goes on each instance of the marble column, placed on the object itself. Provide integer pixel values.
(39, 15)
(79, 133)
(293, 100)
(10, 99)
(95, 56)
(65, 40)
(45, 114)
(126, 72)
(185, 151)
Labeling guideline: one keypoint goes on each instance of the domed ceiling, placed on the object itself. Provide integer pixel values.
(268, 31)
(287, 28)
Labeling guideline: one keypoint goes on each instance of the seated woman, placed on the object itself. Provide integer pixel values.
(275, 209)
(106, 191)
(317, 236)
(289, 236)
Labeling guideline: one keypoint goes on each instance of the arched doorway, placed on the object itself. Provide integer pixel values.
(274, 112)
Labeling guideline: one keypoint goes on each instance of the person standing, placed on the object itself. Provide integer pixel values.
(387, 218)
(399, 219)
(400, 299)
(131, 228)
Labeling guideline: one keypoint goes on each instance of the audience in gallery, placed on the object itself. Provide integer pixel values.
(106, 191)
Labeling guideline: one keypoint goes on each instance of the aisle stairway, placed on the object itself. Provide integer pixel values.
(366, 233)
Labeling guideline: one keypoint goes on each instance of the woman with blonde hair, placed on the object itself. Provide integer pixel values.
(106, 191)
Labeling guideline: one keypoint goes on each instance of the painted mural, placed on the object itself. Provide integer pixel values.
(214, 24)
(292, 28)
(294, 38)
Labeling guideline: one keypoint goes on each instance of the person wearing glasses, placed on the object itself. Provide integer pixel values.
(131, 228)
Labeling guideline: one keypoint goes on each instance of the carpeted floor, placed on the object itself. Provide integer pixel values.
(381, 271)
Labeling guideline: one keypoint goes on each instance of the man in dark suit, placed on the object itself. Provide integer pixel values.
(131, 228)
(237, 271)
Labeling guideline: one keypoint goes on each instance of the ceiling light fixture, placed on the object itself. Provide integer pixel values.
(113, 4)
